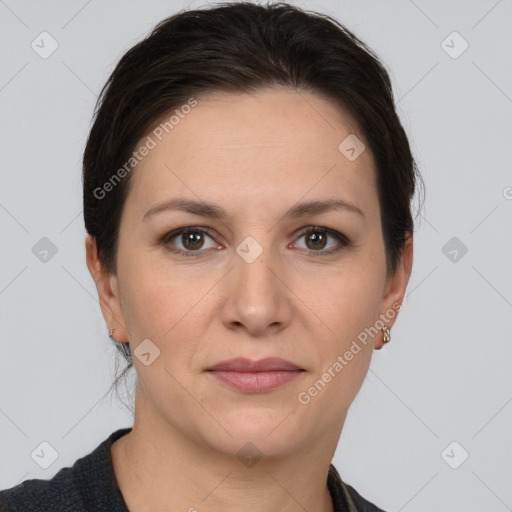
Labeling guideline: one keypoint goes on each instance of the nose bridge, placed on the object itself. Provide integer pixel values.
(252, 262)
(257, 296)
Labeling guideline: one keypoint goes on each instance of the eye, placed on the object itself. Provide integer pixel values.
(191, 239)
(317, 237)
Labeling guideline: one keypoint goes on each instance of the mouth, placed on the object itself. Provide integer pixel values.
(255, 376)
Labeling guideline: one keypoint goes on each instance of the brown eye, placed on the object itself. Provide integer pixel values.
(317, 238)
(192, 240)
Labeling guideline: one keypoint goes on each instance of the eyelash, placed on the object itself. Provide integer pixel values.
(342, 239)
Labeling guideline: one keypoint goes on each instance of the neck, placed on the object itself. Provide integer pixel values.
(159, 468)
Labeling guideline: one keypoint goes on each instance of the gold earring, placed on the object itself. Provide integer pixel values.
(110, 333)
(387, 336)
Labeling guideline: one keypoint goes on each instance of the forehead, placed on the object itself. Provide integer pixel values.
(276, 144)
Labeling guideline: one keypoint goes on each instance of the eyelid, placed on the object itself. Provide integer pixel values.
(328, 231)
(170, 235)
(343, 240)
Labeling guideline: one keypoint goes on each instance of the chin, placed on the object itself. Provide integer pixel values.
(258, 429)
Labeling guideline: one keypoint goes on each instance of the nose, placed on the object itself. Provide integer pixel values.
(259, 301)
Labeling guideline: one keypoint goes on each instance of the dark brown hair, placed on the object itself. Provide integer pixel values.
(242, 47)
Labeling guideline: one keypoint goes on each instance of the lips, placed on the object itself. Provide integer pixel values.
(242, 364)
(255, 376)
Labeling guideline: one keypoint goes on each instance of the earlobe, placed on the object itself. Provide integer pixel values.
(395, 290)
(386, 337)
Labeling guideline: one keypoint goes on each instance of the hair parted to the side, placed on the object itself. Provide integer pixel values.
(239, 48)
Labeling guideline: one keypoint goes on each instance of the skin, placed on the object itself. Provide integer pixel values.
(255, 156)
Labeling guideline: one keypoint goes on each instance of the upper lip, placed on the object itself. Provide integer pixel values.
(242, 364)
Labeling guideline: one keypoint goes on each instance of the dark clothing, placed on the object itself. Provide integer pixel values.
(90, 486)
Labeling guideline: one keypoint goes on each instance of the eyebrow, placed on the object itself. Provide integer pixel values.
(214, 211)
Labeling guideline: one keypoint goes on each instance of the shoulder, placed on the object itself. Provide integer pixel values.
(361, 504)
(59, 493)
(345, 497)
(87, 485)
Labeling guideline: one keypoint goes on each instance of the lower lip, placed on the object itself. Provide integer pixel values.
(255, 382)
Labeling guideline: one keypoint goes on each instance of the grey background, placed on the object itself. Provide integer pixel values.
(444, 377)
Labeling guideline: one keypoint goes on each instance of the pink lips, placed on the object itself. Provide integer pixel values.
(255, 376)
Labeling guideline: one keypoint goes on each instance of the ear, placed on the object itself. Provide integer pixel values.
(108, 291)
(395, 288)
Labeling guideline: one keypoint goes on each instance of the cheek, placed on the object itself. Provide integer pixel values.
(345, 305)
(149, 302)
(162, 304)
(343, 348)
(343, 302)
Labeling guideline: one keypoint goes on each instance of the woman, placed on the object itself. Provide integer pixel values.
(247, 190)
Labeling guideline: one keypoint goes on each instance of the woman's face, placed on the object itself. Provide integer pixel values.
(262, 282)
